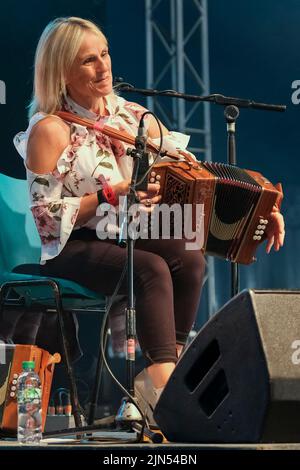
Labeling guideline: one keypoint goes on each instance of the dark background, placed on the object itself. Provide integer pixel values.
(254, 53)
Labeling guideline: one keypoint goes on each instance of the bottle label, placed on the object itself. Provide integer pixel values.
(30, 395)
(29, 409)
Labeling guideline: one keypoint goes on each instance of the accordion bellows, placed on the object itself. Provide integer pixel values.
(236, 202)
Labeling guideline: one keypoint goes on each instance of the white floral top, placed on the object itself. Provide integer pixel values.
(56, 196)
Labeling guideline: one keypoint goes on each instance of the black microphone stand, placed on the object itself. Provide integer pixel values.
(231, 114)
(128, 412)
(232, 105)
(128, 416)
(215, 98)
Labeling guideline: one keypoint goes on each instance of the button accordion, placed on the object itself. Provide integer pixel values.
(12, 357)
(236, 202)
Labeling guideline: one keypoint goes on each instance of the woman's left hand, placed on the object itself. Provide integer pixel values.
(275, 230)
(149, 197)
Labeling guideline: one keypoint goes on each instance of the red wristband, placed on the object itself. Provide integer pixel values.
(109, 195)
(108, 191)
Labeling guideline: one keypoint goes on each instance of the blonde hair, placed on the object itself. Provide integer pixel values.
(55, 54)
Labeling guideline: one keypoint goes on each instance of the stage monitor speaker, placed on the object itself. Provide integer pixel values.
(239, 380)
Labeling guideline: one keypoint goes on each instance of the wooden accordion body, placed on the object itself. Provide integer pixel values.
(9, 373)
(236, 202)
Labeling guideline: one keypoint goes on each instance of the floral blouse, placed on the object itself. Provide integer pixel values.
(55, 197)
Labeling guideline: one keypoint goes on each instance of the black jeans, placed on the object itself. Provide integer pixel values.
(167, 284)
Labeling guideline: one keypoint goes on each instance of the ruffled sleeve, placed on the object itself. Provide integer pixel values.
(54, 212)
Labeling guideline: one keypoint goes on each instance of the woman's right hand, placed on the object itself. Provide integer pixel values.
(146, 198)
(121, 189)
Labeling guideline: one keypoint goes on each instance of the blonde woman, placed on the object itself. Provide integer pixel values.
(66, 164)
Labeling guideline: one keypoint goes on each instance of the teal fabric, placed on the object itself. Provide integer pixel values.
(20, 244)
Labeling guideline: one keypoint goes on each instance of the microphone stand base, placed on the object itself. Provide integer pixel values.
(128, 413)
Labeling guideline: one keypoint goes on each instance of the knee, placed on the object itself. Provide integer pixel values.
(194, 265)
(154, 274)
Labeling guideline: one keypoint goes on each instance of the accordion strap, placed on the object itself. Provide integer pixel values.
(119, 135)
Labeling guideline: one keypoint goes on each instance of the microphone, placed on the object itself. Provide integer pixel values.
(231, 113)
(140, 145)
(141, 138)
(142, 160)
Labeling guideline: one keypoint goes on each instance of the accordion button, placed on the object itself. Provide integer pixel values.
(13, 388)
(261, 232)
(12, 394)
(153, 173)
(263, 227)
(259, 227)
(255, 237)
(152, 180)
(15, 376)
(258, 238)
(261, 221)
(266, 221)
(257, 232)
(158, 177)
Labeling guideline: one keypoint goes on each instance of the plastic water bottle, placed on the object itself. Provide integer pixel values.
(29, 405)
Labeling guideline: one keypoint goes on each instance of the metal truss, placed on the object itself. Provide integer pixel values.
(177, 55)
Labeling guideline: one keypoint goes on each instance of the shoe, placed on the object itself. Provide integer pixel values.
(147, 395)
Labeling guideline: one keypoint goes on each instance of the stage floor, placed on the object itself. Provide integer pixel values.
(104, 452)
(124, 440)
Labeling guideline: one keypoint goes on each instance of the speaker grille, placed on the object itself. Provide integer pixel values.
(214, 394)
(237, 382)
(202, 365)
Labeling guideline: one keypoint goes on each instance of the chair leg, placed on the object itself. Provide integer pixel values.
(65, 342)
(66, 349)
(1, 299)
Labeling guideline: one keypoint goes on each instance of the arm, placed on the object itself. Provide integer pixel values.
(275, 231)
(47, 140)
(153, 130)
(46, 143)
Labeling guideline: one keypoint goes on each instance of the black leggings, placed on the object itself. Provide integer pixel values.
(167, 284)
